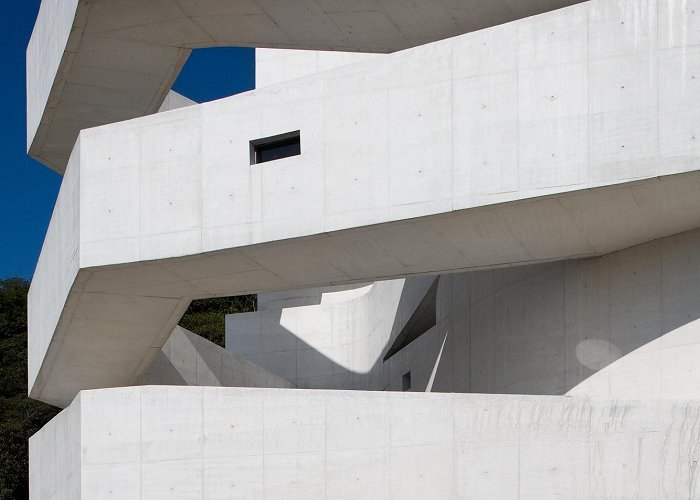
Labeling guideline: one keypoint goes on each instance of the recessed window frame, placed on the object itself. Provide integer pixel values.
(260, 147)
(406, 381)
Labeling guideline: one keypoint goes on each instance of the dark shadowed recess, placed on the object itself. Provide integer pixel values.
(422, 320)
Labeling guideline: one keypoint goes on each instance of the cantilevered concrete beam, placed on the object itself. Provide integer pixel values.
(92, 62)
(567, 135)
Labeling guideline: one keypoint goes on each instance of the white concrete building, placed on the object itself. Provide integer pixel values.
(473, 227)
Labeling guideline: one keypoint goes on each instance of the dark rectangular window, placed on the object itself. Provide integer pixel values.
(406, 381)
(275, 147)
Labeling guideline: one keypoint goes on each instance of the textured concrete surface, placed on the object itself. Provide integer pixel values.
(281, 65)
(626, 325)
(336, 343)
(92, 62)
(590, 99)
(188, 359)
(194, 443)
(554, 158)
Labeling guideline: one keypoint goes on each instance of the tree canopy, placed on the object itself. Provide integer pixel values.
(20, 417)
(207, 317)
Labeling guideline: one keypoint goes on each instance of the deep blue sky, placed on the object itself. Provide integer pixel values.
(28, 189)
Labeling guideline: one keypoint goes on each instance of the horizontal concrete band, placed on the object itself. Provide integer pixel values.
(191, 443)
(115, 319)
(92, 62)
(561, 136)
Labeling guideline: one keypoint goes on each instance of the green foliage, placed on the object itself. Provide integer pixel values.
(20, 417)
(206, 317)
(13, 307)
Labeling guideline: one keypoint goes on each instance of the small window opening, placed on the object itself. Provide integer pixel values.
(275, 147)
(406, 381)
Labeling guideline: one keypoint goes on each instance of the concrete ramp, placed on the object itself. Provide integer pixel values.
(188, 359)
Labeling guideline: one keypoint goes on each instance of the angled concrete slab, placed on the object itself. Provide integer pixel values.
(188, 359)
(187, 442)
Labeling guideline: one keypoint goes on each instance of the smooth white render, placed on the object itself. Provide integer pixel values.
(91, 62)
(194, 443)
(512, 145)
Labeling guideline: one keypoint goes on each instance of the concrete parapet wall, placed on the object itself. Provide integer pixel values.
(55, 456)
(194, 443)
(336, 344)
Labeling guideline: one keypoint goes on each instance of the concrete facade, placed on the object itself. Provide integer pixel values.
(281, 65)
(171, 208)
(626, 325)
(478, 279)
(92, 62)
(193, 443)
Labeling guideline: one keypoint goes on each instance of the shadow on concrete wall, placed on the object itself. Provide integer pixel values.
(187, 359)
(620, 325)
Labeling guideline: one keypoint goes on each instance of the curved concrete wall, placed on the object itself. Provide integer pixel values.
(194, 443)
(335, 344)
(415, 151)
(623, 325)
(626, 325)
